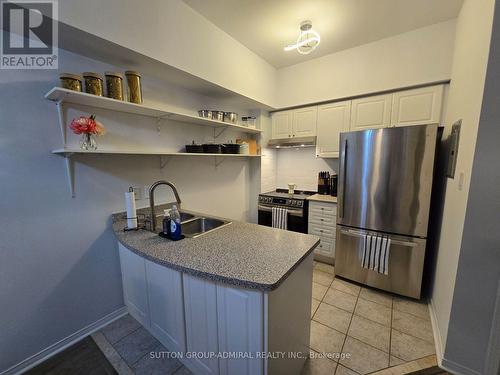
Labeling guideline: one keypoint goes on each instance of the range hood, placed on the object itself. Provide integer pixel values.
(292, 142)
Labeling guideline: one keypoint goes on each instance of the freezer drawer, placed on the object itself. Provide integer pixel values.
(406, 262)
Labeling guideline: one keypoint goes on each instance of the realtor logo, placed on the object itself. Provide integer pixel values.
(29, 34)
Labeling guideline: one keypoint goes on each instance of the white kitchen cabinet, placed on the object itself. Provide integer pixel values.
(135, 291)
(200, 304)
(418, 106)
(322, 223)
(166, 306)
(241, 329)
(333, 119)
(372, 112)
(294, 123)
(282, 124)
(304, 122)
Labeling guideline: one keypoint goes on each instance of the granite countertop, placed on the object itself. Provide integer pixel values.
(242, 254)
(322, 198)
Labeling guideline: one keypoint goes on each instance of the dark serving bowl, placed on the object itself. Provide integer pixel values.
(212, 148)
(194, 148)
(231, 148)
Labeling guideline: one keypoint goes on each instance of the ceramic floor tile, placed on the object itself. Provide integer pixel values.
(120, 328)
(340, 299)
(363, 357)
(346, 286)
(156, 364)
(328, 268)
(408, 347)
(314, 306)
(134, 346)
(376, 296)
(333, 317)
(318, 291)
(395, 361)
(408, 306)
(412, 325)
(319, 366)
(341, 370)
(322, 278)
(370, 332)
(373, 311)
(324, 339)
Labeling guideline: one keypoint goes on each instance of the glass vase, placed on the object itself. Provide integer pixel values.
(88, 142)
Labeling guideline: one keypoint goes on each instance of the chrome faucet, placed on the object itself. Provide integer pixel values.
(152, 199)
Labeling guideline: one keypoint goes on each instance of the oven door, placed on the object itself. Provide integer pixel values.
(297, 219)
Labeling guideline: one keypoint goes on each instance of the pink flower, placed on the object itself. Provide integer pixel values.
(87, 125)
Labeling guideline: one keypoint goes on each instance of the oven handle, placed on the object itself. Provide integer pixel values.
(291, 211)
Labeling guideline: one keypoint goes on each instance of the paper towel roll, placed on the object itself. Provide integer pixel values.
(131, 210)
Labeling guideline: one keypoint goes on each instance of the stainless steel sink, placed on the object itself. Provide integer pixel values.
(201, 225)
(194, 226)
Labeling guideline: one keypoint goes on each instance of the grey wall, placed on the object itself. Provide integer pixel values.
(59, 267)
(478, 272)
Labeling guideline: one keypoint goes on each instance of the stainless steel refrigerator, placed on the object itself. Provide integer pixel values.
(384, 187)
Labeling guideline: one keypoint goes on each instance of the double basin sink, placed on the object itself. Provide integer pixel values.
(195, 225)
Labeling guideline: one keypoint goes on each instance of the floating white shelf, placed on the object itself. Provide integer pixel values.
(64, 97)
(61, 96)
(68, 151)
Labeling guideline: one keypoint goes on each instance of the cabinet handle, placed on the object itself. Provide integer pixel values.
(322, 219)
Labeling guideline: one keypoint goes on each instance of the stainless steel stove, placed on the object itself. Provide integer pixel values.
(296, 204)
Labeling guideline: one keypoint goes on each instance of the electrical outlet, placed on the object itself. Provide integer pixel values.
(461, 180)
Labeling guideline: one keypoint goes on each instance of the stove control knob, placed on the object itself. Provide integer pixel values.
(299, 203)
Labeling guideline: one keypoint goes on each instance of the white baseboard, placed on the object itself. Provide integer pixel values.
(64, 343)
(445, 364)
(437, 333)
(455, 368)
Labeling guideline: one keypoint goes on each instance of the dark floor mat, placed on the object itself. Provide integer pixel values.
(83, 358)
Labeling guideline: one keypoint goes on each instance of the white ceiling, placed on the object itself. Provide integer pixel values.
(266, 26)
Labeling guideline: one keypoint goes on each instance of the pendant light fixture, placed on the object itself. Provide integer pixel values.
(307, 41)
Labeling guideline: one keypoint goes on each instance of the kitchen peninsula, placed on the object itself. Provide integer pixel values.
(237, 289)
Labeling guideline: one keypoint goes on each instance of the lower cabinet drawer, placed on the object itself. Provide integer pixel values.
(323, 220)
(323, 208)
(322, 231)
(326, 248)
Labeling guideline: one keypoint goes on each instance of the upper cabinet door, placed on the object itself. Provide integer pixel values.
(282, 124)
(417, 107)
(304, 122)
(333, 119)
(372, 112)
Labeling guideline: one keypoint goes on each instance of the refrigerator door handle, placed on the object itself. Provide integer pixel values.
(355, 233)
(343, 169)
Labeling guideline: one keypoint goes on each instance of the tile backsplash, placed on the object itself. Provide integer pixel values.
(301, 166)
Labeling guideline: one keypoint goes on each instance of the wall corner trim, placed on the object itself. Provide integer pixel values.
(64, 343)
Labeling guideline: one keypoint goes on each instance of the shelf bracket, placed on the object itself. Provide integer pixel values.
(70, 173)
(62, 123)
(218, 163)
(220, 133)
(164, 161)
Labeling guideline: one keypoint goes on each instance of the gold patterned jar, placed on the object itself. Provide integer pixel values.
(93, 83)
(71, 81)
(114, 85)
(134, 88)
